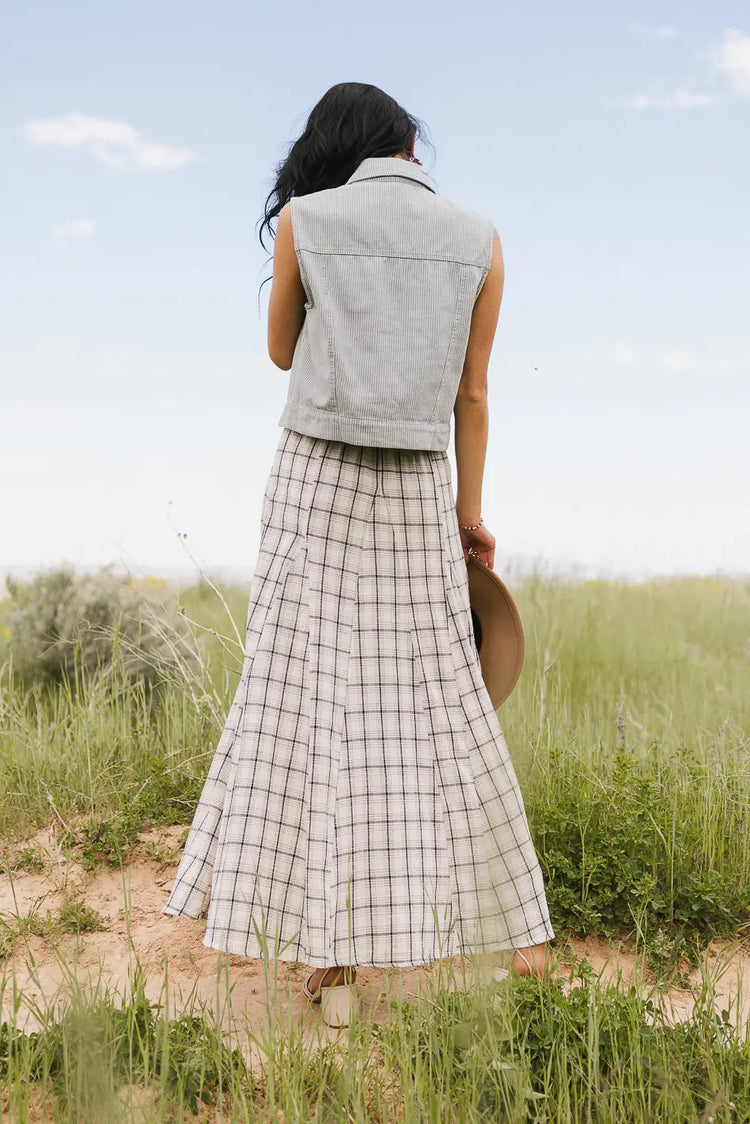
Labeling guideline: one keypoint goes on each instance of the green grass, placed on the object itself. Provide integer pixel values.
(519, 1050)
(628, 731)
(84, 1054)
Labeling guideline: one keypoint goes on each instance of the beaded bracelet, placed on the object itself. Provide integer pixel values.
(471, 526)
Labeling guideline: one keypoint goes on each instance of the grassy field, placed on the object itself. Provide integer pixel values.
(629, 734)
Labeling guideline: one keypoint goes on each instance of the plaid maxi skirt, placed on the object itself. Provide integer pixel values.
(361, 806)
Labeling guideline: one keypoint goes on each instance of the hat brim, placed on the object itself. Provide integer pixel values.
(498, 630)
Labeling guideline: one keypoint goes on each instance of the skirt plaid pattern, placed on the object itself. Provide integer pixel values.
(361, 806)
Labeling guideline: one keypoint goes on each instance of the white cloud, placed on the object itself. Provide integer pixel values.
(675, 99)
(732, 58)
(648, 31)
(114, 143)
(73, 230)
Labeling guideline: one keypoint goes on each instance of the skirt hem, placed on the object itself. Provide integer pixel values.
(317, 962)
(299, 957)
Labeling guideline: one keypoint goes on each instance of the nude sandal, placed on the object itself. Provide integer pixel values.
(338, 1002)
(313, 996)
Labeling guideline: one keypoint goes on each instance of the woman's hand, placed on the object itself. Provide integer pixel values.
(482, 541)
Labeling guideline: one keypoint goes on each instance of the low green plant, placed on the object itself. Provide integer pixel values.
(529, 1051)
(164, 797)
(622, 851)
(8, 939)
(29, 859)
(194, 1060)
(73, 916)
(76, 916)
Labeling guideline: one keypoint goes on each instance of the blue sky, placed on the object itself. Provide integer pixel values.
(608, 143)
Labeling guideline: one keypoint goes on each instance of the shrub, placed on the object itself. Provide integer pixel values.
(62, 624)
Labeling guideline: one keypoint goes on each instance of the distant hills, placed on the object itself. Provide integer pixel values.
(508, 566)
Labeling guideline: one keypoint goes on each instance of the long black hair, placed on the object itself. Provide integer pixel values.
(351, 121)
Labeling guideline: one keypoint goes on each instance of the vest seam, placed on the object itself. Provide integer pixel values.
(390, 177)
(332, 400)
(405, 257)
(456, 309)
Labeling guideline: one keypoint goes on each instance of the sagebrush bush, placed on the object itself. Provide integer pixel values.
(61, 625)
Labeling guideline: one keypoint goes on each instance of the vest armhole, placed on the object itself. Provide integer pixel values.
(487, 260)
(295, 219)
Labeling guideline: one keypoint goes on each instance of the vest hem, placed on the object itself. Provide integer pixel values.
(388, 434)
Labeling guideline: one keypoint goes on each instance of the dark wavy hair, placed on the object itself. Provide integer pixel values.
(351, 121)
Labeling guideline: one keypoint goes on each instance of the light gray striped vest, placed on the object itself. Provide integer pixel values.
(391, 270)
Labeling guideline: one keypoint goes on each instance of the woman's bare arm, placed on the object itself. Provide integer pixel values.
(471, 412)
(286, 305)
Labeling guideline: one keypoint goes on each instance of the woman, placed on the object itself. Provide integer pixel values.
(362, 807)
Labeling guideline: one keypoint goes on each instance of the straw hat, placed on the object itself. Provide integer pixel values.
(498, 632)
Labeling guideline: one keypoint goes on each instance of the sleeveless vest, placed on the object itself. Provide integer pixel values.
(391, 270)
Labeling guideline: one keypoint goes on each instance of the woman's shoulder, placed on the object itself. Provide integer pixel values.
(469, 214)
(472, 226)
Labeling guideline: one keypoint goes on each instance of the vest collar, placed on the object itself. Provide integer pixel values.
(373, 166)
